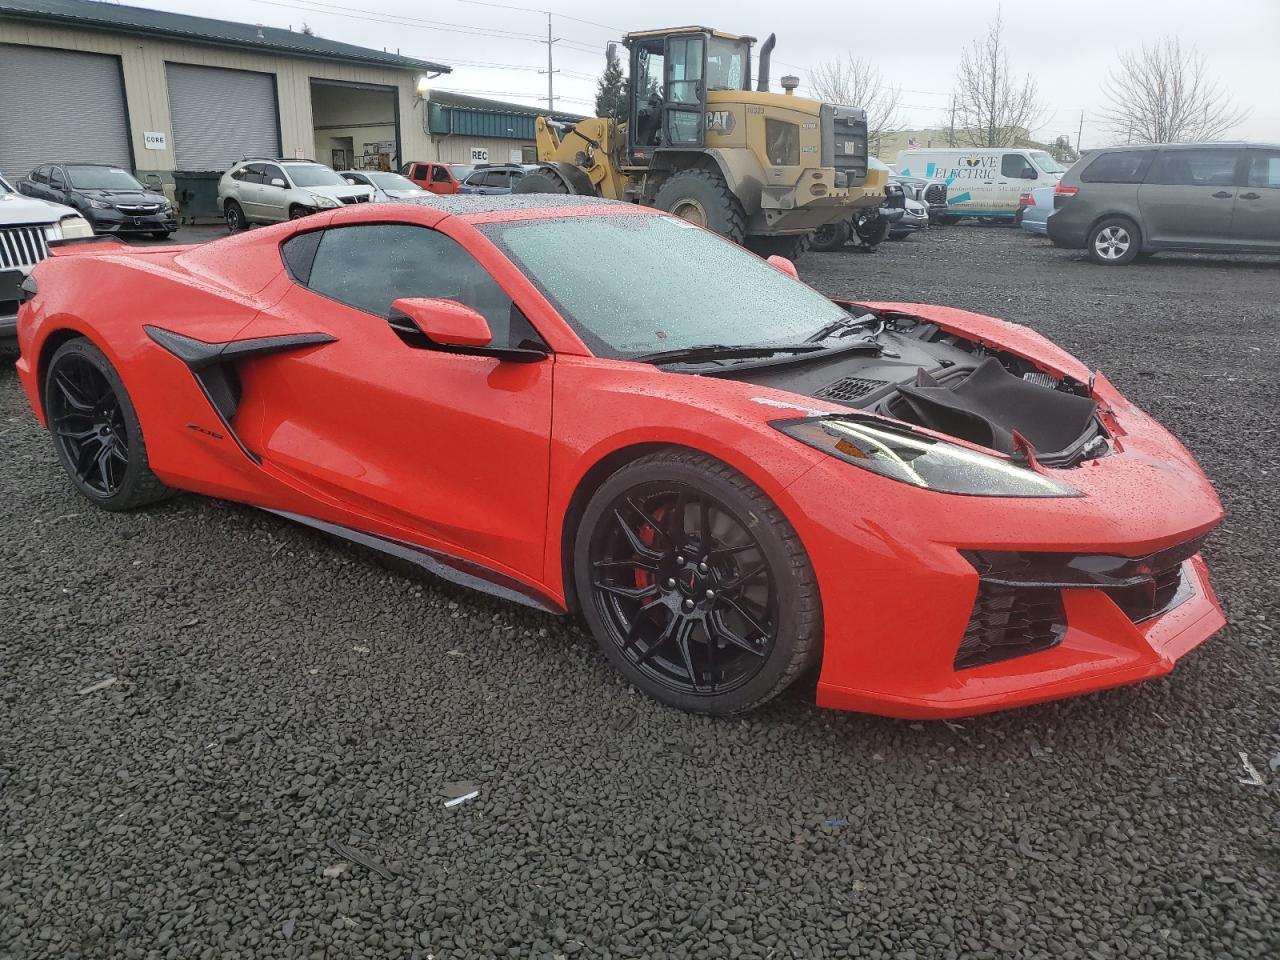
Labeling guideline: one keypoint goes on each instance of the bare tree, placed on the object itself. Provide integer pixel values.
(993, 108)
(858, 83)
(1163, 94)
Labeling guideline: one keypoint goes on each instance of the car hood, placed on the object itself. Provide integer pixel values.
(340, 193)
(18, 208)
(405, 194)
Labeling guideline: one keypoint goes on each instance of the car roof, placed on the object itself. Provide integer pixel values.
(1209, 145)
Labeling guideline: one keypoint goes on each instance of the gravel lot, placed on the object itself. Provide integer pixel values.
(276, 693)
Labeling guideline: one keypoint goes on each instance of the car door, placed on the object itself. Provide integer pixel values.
(498, 182)
(59, 189)
(1188, 197)
(1016, 172)
(442, 181)
(451, 449)
(273, 201)
(1256, 218)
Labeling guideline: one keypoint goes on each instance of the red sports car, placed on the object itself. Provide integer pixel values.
(590, 406)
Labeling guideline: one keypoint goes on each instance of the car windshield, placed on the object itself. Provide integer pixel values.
(635, 284)
(4, 186)
(101, 178)
(461, 170)
(1046, 162)
(393, 181)
(314, 175)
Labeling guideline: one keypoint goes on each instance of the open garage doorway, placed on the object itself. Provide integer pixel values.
(357, 125)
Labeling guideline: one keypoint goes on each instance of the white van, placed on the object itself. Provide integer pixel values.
(983, 181)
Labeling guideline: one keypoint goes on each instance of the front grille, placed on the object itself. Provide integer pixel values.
(138, 210)
(22, 246)
(849, 388)
(1144, 601)
(935, 194)
(1011, 622)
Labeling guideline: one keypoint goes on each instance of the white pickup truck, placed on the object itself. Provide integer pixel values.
(27, 226)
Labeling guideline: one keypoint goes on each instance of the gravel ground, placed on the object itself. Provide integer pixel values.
(275, 694)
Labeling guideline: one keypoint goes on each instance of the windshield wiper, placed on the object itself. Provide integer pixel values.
(844, 323)
(720, 351)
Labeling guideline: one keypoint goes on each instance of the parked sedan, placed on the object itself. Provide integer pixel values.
(743, 484)
(385, 184)
(1035, 213)
(915, 217)
(494, 180)
(110, 198)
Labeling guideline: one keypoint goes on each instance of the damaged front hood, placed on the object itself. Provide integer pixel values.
(931, 375)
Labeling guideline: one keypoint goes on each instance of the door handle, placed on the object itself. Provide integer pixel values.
(1222, 195)
(1250, 196)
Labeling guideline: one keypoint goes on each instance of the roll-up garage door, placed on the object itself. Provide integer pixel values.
(221, 115)
(58, 105)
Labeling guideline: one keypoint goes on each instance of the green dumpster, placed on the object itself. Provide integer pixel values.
(196, 192)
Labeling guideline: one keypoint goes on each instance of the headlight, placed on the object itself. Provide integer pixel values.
(101, 204)
(75, 228)
(322, 202)
(922, 461)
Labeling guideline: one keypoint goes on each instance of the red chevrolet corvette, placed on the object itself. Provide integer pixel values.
(589, 406)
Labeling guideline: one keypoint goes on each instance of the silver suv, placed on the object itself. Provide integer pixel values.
(257, 190)
(1126, 202)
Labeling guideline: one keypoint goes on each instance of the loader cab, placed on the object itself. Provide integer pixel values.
(671, 73)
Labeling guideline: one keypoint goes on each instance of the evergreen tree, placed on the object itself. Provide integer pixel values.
(611, 90)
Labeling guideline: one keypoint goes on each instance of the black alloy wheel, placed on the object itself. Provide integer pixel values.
(696, 606)
(235, 217)
(95, 429)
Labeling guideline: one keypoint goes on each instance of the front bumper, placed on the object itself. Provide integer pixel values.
(898, 593)
(114, 221)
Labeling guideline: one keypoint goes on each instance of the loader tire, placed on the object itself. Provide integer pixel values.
(539, 181)
(702, 197)
(793, 247)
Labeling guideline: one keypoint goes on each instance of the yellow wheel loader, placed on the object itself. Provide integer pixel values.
(763, 169)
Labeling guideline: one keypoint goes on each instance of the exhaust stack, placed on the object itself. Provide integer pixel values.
(762, 74)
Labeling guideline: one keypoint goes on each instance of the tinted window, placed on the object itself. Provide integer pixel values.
(255, 173)
(1195, 168)
(1264, 169)
(56, 179)
(40, 174)
(1123, 166)
(369, 266)
(1016, 167)
(440, 175)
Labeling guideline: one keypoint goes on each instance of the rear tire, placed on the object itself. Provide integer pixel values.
(234, 214)
(695, 585)
(702, 197)
(793, 247)
(95, 429)
(830, 236)
(1114, 242)
(539, 181)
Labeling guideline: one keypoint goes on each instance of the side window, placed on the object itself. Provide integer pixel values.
(1264, 169)
(1016, 167)
(270, 172)
(252, 173)
(56, 179)
(420, 171)
(370, 265)
(1120, 166)
(440, 174)
(40, 175)
(1195, 168)
(499, 178)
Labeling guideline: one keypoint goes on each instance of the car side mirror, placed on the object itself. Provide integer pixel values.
(785, 265)
(277, 182)
(451, 327)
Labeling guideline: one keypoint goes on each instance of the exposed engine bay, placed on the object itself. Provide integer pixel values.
(912, 370)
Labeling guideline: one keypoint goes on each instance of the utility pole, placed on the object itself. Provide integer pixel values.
(1080, 136)
(951, 134)
(551, 70)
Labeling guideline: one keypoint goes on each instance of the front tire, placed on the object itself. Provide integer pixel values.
(161, 234)
(695, 585)
(702, 197)
(1114, 242)
(792, 247)
(539, 181)
(96, 431)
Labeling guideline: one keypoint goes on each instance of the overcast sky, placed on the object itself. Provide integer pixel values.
(1067, 46)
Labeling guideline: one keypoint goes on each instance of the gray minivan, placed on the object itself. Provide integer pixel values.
(1124, 202)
